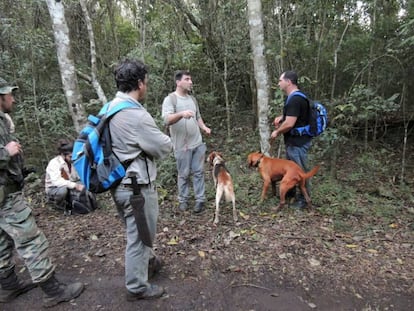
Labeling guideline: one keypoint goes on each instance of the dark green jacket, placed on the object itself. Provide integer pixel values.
(10, 167)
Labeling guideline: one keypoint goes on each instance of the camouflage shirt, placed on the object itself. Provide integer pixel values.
(10, 167)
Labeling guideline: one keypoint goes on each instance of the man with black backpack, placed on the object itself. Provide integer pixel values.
(296, 113)
(137, 142)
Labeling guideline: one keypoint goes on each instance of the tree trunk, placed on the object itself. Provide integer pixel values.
(66, 63)
(260, 70)
(94, 70)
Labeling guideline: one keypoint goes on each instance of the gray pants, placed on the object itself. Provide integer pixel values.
(57, 195)
(18, 230)
(191, 161)
(137, 255)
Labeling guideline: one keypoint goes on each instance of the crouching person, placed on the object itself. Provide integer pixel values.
(62, 184)
(18, 229)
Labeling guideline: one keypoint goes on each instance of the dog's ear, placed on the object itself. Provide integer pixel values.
(211, 156)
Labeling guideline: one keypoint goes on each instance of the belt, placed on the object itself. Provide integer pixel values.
(130, 186)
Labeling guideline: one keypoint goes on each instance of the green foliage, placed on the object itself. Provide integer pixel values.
(363, 105)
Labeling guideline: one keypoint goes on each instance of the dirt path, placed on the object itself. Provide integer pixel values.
(290, 261)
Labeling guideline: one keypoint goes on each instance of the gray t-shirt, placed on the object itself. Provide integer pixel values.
(185, 134)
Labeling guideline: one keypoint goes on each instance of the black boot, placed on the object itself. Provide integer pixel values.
(57, 292)
(11, 286)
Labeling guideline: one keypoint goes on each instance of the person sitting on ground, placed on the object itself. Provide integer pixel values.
(62, 184)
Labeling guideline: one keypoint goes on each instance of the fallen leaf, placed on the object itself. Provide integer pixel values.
(244, 216)
(314, 262)
(351, 245)
(202, 254)
(173, 241)
(372, 251)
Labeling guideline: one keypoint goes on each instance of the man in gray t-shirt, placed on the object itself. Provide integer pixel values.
(181, 112)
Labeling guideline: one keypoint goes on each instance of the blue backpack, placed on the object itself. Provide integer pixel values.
(98, 167)
(318, 118)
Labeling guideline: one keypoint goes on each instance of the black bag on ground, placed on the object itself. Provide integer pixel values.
(82, 202)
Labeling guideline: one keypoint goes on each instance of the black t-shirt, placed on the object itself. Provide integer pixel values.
(298, 106)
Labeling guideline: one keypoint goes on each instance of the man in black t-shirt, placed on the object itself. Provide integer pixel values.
(295, 114)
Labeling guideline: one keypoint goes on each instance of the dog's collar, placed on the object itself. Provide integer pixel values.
(256, 164)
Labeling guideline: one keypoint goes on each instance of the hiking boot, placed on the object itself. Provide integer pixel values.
(152, 292)
(57, 292)
(12, 287)
(183, 206)
(300, 204)
(199, 207)
(154, 266)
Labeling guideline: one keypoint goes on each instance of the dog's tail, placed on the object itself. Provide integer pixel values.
(312, 172)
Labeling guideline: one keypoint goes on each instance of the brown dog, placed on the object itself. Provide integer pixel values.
(288, 172)
(223, 183)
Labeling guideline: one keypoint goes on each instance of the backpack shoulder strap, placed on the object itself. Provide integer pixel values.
(195, 103)
(173, 99)
(298, 93)
(118, 107)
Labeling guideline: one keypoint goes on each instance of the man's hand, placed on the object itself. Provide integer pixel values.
(14, 148)
(187, 114)
(207, 130)
(274, 135)
(277, 121)
(79, 187)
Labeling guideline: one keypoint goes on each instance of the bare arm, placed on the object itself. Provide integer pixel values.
(284, 127)
(203, 127)
(175, 117)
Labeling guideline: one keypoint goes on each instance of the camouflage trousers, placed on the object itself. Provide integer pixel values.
(18, 230)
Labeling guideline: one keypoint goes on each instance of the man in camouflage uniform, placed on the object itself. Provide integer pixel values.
(18, 228)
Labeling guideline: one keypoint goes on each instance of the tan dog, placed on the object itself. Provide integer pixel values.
(288, 172)
(223, 183)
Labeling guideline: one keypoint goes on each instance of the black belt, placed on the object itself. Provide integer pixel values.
(131, 186)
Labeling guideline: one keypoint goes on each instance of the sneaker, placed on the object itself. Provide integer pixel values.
(199, 207)
(183, 206)
(152, 292)
(154, 266)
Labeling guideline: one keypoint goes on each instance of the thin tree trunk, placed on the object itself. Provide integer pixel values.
(66, 63)
(260, 70)
(94, 70)
(281, 32)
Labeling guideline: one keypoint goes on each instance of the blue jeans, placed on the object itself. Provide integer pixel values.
(191, 161)
(299, 155)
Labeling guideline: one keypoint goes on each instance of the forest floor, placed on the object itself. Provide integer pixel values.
(354, 251)
(292, 260)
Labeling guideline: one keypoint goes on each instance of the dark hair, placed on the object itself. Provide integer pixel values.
(180, 73)
(64, 146)
(127, 74)
(292, 76)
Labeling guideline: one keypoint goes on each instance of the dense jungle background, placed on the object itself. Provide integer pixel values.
(354, 252)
